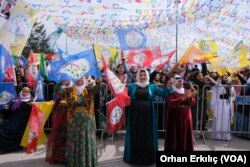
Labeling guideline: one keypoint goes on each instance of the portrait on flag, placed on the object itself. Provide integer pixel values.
(6, 7)
(16, 30)
(7, 94)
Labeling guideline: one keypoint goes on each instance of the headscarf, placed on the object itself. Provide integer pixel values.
(176, 80)
(22, 98)
(70, 85)
(79, 88)
(142, 84)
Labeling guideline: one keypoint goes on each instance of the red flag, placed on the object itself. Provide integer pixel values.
(115, 115)
(35, 127)
(160, 62)
(141, 57)
(49, 56)
(115, 85)
(32, 71)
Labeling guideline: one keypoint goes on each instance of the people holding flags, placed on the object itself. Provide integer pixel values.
(11, 130)
(141, 142)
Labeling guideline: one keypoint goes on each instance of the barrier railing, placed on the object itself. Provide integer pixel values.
(230, 112)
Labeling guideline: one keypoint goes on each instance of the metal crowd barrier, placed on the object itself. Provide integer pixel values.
(240, 126)
(230, 115)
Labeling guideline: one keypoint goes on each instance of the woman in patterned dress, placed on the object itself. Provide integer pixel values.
(81, 150)
(64, 99)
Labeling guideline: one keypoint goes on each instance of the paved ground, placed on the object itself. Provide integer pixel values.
(110, 153)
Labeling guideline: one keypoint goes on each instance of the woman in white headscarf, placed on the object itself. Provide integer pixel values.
(12, 129)
(179, 136)
(81, 147)
(141, 142)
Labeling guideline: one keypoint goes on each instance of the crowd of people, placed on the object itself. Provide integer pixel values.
(78, 105)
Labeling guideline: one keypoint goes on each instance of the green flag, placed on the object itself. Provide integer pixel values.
(42, 67)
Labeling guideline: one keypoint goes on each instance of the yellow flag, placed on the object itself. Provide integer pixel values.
(218, 65)
(232, 63)
(208, 47)
(111, 55)
(46, 108)
(190, 54)
(238, 59)
(16, 30)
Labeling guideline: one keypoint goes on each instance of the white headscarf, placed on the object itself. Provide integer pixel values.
(24, 98)
(142, 84)
(79, 88)
(70, 85)
(178, 90)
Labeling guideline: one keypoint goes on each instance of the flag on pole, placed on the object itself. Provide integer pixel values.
(112, 55)
(7, 69)
(190, 54)
(7, 94)
(43, 67)
(34, 134)
(118, 89)
(160, 62)
(73, 67)
(115, 115)
(131, 38)
(32, 71)
(141, 57)
(18, 28)
(22, 61)
(208, 47)
(39, 89)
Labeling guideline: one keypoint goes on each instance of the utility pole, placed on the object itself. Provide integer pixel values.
(176, 29)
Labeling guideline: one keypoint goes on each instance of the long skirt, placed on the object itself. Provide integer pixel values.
(56, 146)
(81, 148)
(141, 136)
(179, 136)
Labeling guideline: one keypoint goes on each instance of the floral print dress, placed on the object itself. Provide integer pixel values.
(81, 150)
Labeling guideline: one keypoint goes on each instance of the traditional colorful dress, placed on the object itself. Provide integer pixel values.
(81, 148)
(56, 146)
(141, 142)
(179, 136)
